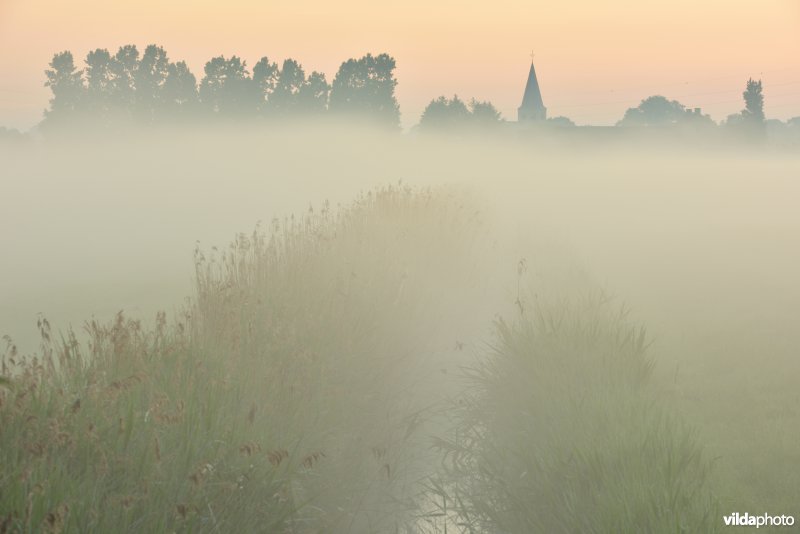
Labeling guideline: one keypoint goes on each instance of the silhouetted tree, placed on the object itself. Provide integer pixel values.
(123, 79)
(484, 113)
(443, 114)
(659, 111)
(750, 122)
(654, 111)
(126, 85)
(98, 82)
(734, 120)
(314, 94)
(66, 84)
(365, 88)
(227, 88)
(753, 112)
(265, 78)
(454, 114)
(121, 86)
(561, 121)
(285, 97)
(180, 89)
(150, 76)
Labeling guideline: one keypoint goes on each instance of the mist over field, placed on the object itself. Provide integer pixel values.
(413, 290)
(317, 267)
(97, 226)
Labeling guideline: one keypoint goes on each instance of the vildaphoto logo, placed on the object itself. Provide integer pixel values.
(765, 520)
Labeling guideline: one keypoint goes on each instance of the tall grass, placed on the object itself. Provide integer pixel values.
(299, 389)
(288, 397)
(560, 431)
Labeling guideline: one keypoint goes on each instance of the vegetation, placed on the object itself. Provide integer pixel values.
(750, 120)
(364, 88)
(303, 386)
(561, 121)
(277, 402)
(659, 111)
(128, 87)
(562, 432)
(448, 114)
(754, 102)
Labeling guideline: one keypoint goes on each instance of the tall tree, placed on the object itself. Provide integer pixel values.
(123, 78)
(454, 114)
(484, 113)
(66, 83)
(227, 88)
(365, 88)
(314, 94)
(180, 89)
(654, 111)
(444, 114)
(149, 79)
(754, 102)
(98, 82)
(265, 78)
(285, 97)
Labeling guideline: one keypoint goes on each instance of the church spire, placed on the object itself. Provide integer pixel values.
(532, 107)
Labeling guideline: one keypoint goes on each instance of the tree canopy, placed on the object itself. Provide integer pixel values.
(750, 122)
(660, 111)
(561, 121)
(65, 82)
(452, 114)
(114, 88)
(132, 87)
(365, 88)
(753, 111)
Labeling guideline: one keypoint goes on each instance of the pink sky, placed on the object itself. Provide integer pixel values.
(594, 59)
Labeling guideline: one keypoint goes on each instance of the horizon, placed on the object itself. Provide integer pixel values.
(707, 67)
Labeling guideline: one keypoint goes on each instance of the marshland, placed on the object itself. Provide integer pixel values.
(328, 329)
(347, 267)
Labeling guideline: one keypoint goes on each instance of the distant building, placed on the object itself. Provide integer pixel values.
(532, 108)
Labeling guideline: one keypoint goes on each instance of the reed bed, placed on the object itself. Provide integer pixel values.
(307, 388)
(561, 430)
(280, 400)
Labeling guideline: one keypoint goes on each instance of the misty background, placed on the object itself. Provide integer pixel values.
(261, 296)
(701, 244)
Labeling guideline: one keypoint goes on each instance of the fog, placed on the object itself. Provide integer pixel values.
(701, 243)
(92, 227)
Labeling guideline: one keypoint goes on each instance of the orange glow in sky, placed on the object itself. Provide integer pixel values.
(594, 59)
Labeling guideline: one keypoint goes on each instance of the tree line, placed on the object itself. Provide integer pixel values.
(654, 111)
(129, 86)
(660, 111)
(149, 87)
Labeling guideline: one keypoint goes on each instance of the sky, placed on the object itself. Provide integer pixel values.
(593, 59)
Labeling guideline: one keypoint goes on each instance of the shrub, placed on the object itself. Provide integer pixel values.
(561, 433)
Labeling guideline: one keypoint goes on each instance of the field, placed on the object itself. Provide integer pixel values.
(420, 335)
